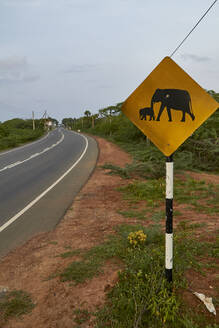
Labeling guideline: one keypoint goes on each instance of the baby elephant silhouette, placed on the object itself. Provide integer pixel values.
(147, 111)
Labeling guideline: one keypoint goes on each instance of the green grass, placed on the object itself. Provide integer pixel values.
(117, 170)
(92, 262)
(189, 191)
(81, 316)
(192, 192)
(94, 259)
(70, 253)
(214, 248)
(190, 156)
(152, 191)
(177, 213)
(15, 304)
(158, 216)
(79, 271)
(140, 215)
(141, 298)
(53, 243)
(145, 170)
(185, 225)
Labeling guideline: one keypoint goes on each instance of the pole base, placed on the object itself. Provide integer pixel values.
(168, 275)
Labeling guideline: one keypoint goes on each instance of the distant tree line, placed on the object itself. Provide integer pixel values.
(89, 120)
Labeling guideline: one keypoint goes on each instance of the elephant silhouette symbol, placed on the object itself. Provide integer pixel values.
(173, 99)
(147, 111)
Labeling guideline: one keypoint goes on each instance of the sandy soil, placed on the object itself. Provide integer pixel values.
(87, 223)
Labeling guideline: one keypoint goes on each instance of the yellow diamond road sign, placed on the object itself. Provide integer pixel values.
(169, 106)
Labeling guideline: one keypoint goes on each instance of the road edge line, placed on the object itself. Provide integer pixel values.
(33, 202)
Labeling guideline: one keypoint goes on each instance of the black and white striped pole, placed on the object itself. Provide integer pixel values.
(169, 219)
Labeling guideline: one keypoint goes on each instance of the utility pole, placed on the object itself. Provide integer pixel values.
(33, 120)
(45, 117)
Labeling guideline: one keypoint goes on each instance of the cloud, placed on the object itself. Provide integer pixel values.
(22, 2)
(80, 4)
(12, 63)
(16, 69)
(31, 78)
(195, 58)
(80, 69)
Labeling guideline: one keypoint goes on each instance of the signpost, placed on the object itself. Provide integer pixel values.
(168, 107)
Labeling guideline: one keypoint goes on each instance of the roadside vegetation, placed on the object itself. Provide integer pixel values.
(127, 256)
(14, 303)
(17, 131)
(141, 297)
(199, 152)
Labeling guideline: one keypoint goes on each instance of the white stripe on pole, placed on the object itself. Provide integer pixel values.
(169, 180)
(169, 251)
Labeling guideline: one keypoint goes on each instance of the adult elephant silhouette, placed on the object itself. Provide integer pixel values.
(173, 99)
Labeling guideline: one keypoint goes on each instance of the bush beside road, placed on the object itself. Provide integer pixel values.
(16, 132)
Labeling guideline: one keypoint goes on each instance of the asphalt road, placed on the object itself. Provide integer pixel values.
(38, 183)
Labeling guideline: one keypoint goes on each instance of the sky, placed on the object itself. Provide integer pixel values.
(68, 56)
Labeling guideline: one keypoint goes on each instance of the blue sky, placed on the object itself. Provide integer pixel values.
(68, 56)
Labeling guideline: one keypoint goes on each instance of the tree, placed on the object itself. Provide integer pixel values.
(94, 117)
(110, 111)
(68, 122)
(87, 113)
(214, 94)
(3, 132)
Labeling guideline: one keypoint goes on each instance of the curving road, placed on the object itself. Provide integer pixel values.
(38, 183)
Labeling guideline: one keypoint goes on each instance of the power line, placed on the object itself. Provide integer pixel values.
(193, 28)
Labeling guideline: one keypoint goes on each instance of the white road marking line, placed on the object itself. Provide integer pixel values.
(15, 217)
(14, 164)
(34, 155)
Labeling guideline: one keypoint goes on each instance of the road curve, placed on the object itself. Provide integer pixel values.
(38, 183)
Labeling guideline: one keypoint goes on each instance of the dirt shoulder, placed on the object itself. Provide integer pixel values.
(33, 266)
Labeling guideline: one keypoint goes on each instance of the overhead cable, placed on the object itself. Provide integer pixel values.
(193, 28)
